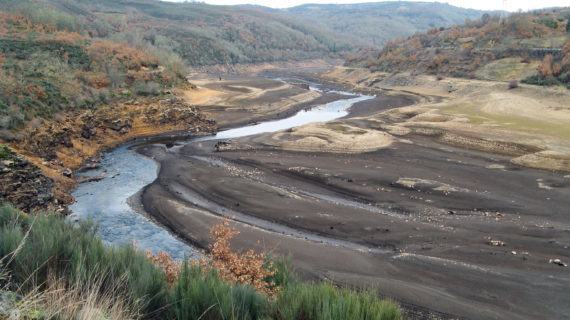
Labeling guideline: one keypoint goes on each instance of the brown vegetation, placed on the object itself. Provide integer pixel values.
(461, 50)
(249, 267)
(246, 267)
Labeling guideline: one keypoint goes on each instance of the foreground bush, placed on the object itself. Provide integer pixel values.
(35, 250)
(66, 272)
(325, 302)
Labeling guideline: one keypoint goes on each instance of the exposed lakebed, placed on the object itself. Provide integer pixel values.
(417, 219)
(111, 201)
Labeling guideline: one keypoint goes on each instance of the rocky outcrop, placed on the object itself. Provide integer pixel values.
(68, 142)
(23, 184)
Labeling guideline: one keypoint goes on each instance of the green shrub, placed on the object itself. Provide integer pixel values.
(147, 88)
(549, 22)
(4, 152)
(541, 81)
(325, 302)
(55, 248)
(200, 295)
(36, 249)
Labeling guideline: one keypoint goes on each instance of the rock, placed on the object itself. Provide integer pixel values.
(84, 179)
(496, 243)
(221, 146)
(88, 131)
(24, 185)
(67, 172)
(121, 125)
(558, 262)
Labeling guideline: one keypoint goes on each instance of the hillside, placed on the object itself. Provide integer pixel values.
(530, 46)
(201, 34)
(373, 24)
(59, 55)
(67, 54)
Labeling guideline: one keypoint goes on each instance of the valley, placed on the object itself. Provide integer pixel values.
(379, 161)
(361, 201)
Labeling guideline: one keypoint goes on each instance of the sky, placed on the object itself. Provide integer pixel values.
(511, 5)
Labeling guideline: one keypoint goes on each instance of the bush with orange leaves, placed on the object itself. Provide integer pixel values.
(248, 267)
(169, 266)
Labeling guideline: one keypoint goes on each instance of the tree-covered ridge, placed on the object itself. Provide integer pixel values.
(48, 65)
(462, 50)
(59, 55)
(373, 24)
(202, 34)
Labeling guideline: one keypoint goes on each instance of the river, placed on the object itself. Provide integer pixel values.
(112, 202)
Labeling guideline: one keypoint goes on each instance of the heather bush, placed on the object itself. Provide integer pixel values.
(66, 271)
(326, 302)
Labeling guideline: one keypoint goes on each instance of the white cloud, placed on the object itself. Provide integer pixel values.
(511, 5)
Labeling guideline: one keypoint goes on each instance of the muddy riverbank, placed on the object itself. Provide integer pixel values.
(462, 232)
(448, 232)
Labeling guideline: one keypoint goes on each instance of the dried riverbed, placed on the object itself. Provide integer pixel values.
(461, 232)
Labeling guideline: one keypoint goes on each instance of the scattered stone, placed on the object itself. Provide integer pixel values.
(496, 243)
(67, 172)
(24, 185)
(88, 130)
(558, 262)
(84, 179)
(120, 125)
(221, 146)
(92, 164)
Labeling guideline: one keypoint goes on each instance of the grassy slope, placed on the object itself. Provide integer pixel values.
(36, 250)
(373, 24)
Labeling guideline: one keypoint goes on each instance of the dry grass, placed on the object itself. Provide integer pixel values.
(80, 301)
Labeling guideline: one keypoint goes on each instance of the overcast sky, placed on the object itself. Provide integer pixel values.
(511, 5)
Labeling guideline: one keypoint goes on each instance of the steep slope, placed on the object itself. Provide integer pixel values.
(533, 46)
(373, 24)
(201, 34)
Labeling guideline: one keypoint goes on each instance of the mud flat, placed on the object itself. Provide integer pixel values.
(362, 200)
(446, 230)
(109, 193)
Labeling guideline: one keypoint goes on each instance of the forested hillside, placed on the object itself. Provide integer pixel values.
(373, 24)
(201, 34)
(58, 55)
(533, 47)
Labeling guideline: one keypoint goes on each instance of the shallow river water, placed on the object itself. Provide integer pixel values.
(125, 173)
